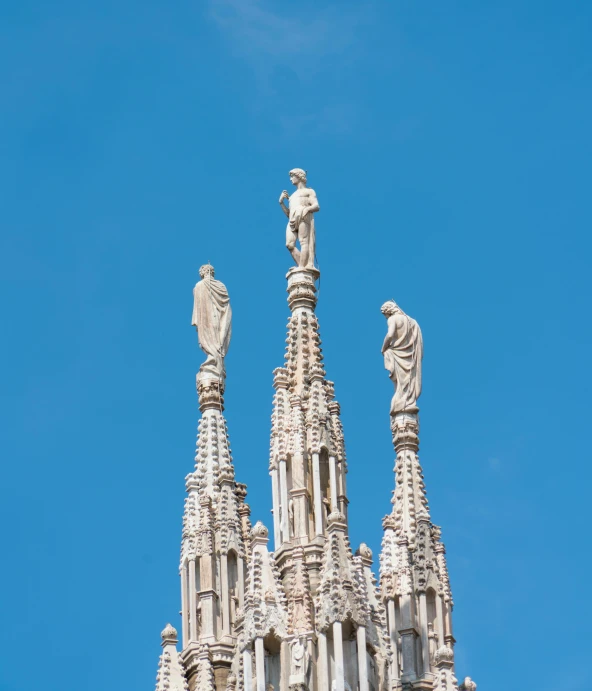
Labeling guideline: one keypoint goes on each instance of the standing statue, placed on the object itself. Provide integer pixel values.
(299, 662)
(212, 317)
(291, 517)
(301, 206)
(403, 353)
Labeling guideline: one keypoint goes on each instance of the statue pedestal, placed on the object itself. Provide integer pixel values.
(302, 291)
(405, 431)
(209, 390)
(297, 682)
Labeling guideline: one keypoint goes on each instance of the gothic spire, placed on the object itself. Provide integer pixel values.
(415, 587)
(307, 450)
(215, 519)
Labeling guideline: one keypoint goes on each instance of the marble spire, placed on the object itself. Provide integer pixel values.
(215, 519)
(415, 587)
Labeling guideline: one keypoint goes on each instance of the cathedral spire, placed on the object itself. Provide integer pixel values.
(308, 616)
(213, 553)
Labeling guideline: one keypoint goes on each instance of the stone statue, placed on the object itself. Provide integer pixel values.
(212, 317)
(234, 605)
(291, 516)
(299, 660)
(433, 642)
(301, 206)
(403, 353)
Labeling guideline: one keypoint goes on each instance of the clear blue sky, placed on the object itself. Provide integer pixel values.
(449, 144)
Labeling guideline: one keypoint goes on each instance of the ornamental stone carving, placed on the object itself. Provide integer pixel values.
(444, 655)
(259, 530)
(169, 633)
(364, 551)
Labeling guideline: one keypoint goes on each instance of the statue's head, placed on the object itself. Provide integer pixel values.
(389, 308)
(206, 270)
(297, 175)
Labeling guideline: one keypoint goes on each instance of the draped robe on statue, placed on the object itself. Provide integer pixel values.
(212, 316)
(403, 361)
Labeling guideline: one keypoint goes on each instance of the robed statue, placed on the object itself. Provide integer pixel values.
(298, 661)
(403, 352)
(302, 204)
(212, 317)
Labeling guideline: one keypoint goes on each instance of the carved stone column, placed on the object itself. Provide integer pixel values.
(333, 483)
(185, 604)
(284, 523)
(275, 495)
(338, 652)
(260, 664)
(316, 488)
(394, 638)
(193, 628)
(362, 659)
(225, 593)
(322, 664)
(423, 626)
(247, 670)
(241, 582)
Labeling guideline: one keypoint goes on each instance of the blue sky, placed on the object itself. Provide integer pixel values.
(449, 145)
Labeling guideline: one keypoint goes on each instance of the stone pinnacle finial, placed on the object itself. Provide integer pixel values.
(365, 552)
(335, 518)
(169, 635)
(259, 531)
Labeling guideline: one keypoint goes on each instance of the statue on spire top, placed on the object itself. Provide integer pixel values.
(301, 206)
(403, 352)
(212, 317)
